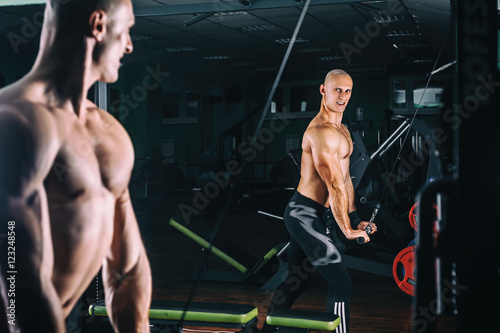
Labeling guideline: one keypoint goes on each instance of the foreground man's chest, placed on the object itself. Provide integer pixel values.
(93, 156)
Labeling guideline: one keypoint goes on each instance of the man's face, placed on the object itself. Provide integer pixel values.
(116, 40)
(336, 92)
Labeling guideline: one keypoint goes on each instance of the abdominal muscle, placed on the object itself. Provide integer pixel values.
(82, 232)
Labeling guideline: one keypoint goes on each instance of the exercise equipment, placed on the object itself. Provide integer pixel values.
(252, 143)
(171, 316)
(368, 191)
(298, 321)
(413, 216)
(403, 270)
(369, 227)
(246, 267)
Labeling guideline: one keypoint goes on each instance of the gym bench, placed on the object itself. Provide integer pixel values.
(247, 267)
(165, 316)
(301, 321)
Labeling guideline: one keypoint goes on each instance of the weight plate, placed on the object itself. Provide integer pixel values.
(403, 270)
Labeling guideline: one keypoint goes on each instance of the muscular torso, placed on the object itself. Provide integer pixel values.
(90, 171)
(311, 185)
(87, 167)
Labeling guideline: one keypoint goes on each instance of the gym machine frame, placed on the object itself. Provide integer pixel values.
(380, 262)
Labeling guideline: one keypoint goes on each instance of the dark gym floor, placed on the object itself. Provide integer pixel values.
(377, 304)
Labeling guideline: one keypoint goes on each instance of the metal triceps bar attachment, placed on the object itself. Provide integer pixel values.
(368, 228)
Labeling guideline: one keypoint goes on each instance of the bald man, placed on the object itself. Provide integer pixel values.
(65, 166)
(324, 183)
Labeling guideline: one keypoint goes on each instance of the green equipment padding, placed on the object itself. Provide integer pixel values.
(197, 312)
(208, 246)
(269, 255)
(304, 319)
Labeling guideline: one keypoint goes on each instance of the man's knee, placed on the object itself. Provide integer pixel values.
(341, 282)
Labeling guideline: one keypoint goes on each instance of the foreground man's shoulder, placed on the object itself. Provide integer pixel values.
(34, 118)
(102, 118)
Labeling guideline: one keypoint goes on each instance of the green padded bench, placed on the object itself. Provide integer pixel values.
(246, 267)
(302, 321)
(165, 316)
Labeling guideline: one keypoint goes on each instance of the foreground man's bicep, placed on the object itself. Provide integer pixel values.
(126, 273)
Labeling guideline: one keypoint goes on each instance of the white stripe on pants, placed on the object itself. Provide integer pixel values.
(339, 310)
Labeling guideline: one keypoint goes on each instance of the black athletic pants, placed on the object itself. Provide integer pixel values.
(311, 248)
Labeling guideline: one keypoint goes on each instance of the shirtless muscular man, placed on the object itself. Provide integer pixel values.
(65, 166)
(324, 183)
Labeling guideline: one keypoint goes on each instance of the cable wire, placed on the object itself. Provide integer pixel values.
(431, 74)
(245, 162)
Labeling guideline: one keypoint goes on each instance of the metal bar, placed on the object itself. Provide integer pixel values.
(197, 19)
(6, 3)
(270, 215)
(394, 140)
(283, 249)
(390, 140)
(228, 6)
(101, 95)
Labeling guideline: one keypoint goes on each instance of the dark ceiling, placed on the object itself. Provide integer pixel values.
(233, 39)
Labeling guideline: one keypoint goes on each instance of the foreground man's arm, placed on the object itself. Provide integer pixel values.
(126, 273)
(27, 150)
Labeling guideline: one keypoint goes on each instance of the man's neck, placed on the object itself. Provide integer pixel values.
(64, 76)
(331, 117)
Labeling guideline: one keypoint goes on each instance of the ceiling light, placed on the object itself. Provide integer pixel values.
(313, 50)
(231, 13)
(136, 38)
(288, 40)
(423, 60)
(410, 45)
(330, 58)
(388, 19)
(218, 57)
(180, 49)
(257, 28)
(403, 33)
(245, 64)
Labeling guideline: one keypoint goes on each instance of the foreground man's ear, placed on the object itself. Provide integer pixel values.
(97, 24)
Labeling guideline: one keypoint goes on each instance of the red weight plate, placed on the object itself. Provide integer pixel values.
(412, 216)
(403, 270)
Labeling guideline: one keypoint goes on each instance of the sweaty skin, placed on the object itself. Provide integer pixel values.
(64, 176)
(326, 148)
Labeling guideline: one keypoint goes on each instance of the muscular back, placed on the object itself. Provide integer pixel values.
(326, 149)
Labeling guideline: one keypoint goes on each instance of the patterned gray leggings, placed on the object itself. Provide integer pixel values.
(311, 248)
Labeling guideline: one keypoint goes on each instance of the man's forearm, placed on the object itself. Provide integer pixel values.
(128, 296)
(339, 202)
(351, 195)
